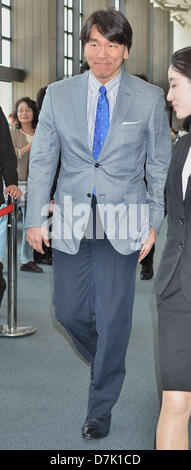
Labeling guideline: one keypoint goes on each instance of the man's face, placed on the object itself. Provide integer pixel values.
(104, 57)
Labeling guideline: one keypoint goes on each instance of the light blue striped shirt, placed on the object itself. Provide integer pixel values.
(93, 96)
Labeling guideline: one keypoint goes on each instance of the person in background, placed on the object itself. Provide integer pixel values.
(173, 280)
(102, 122)
(25, 116)
(11, 120)
(84, 67)
(173, 134)
(46, 257)
(147, 271)
(40, 97)
(8, 174)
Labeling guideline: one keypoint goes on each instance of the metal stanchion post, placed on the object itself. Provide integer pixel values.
(11, 329)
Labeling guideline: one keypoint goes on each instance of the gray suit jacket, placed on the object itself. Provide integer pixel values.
(139, 127)
(178, 244)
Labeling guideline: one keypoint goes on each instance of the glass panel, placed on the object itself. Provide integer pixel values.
(65, 67)
(80, 22)
(70, 21)
(6, 22)
(80, 51)
(65, 19)
(70, 46)
(65, 44)
(6, 53)
(6, 2)
(68, 36)
(70, 68)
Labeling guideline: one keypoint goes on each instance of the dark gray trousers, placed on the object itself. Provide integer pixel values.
(93, 298)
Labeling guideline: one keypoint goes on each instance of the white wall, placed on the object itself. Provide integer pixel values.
(182, 36)
(6, 97)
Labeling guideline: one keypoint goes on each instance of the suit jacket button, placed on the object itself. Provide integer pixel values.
(97, 165)
(181, 221)
(180, 245)
(89, 195)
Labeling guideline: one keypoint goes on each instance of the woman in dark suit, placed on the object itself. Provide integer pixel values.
(173, 280)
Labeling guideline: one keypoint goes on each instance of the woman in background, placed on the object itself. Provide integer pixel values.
(173, 280)
(25, 118)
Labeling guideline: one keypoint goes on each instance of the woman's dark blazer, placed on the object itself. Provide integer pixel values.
(8, 159)
(178, 243)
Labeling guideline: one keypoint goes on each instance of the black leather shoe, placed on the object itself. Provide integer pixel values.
(2, 283)
(95, 428)
(47, 261)
(146, 275)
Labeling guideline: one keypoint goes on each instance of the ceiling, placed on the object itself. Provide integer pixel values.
(180, 9)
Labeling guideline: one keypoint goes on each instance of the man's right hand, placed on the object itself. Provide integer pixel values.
(35, 236)
(14, 191)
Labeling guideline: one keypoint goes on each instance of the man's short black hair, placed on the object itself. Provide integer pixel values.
(112, 24)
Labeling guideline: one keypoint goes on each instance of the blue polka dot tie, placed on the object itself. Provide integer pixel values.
(101, 124)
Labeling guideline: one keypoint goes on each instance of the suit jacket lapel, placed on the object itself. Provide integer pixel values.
(188, 192)
(123, 103)
(79, 103)
(182, 150)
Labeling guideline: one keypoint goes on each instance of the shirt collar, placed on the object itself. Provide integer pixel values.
(111, 86)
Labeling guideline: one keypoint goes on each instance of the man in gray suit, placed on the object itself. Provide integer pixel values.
(104, 122)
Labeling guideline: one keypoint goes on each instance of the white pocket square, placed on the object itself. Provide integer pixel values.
(131, 122)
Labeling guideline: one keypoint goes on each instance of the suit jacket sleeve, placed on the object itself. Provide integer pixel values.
(8, 159)
(44, 158)
(159, 153)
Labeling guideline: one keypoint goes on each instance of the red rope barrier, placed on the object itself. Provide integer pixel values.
(6, 210)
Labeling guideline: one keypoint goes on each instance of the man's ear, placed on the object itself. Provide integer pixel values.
(126, 53)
